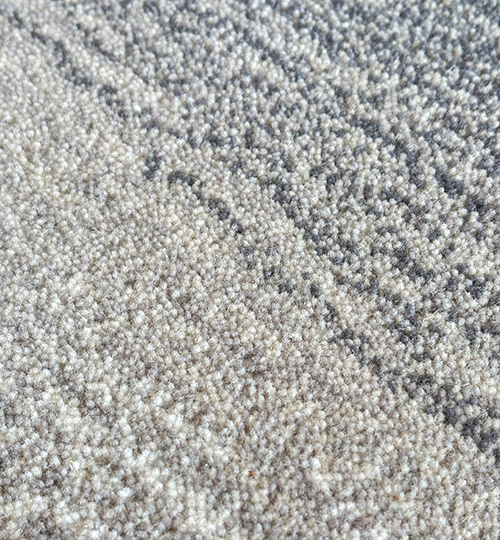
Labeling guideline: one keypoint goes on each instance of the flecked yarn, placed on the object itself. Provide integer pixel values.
(249, 269)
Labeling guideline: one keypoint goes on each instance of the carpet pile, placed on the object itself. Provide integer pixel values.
(249, 269)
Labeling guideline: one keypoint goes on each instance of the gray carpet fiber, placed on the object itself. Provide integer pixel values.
(249, 269)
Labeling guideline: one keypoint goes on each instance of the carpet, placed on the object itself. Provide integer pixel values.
(249, 269)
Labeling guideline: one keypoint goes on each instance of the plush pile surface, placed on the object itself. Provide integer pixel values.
(249, 269)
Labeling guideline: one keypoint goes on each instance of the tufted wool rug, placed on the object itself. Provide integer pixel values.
(249, 269)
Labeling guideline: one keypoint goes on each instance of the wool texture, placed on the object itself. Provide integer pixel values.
(249, 269)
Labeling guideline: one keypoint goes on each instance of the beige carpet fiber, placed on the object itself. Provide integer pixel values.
(249, 269)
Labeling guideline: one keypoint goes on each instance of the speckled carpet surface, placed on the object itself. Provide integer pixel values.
(249, 269)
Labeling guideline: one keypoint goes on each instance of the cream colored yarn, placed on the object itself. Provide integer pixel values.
(249, 269)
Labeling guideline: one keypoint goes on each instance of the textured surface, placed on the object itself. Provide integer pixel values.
(249, 259)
